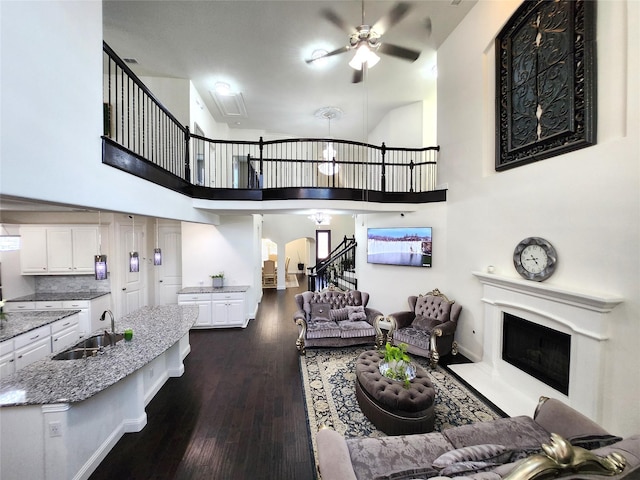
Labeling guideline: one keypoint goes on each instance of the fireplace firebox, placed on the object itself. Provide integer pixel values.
(540, 351)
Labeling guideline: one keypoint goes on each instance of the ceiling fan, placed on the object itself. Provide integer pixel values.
(366, 40)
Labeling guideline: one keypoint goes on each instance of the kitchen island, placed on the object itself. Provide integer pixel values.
(60, 418)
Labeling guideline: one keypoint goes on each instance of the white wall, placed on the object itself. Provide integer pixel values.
(52, 121)
(401, 127)
(389, 286)
(173, 93)
(585, 203)
(230, 247)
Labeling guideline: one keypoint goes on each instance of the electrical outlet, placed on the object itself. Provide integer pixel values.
(55, 429)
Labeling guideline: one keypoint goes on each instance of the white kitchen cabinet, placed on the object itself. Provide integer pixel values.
(64, 333)
(19, 306)
(84, 320)
(33, 250)
(203, 301)
(7, 361)
(32, 346)
(59, 250)
(52, 305)
(228, 309)
(84, 248)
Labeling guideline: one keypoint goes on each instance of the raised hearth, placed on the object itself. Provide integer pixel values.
(582, 316)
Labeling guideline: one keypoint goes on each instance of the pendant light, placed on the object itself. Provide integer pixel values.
(134, 260)
(100, 261)
(329, 166)
(157, 253)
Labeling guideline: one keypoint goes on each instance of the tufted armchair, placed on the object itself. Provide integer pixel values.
(428, 327)
(334, 318)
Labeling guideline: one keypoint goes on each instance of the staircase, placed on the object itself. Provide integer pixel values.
(337, 270)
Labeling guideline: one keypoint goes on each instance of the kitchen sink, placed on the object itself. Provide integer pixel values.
(89, 347)
(102, 340)
(76, 353)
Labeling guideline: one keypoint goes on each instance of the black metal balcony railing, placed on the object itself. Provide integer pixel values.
(142, 137)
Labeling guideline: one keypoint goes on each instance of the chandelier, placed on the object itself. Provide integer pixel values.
(320, 218)
(329, 166)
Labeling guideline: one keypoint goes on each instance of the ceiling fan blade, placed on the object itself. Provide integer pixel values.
(358, 75)
(334, 18)
(427, 26)
(397, 51)
(330, 54)
(397, 13)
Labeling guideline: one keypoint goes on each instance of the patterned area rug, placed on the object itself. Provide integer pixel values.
(328, 377)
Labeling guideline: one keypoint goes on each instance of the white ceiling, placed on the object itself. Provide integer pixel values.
(260, 47)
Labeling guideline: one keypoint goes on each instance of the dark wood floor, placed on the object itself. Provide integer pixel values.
(237, 412)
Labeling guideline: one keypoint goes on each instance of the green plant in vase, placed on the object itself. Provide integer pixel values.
(396, 364)
(218, 279)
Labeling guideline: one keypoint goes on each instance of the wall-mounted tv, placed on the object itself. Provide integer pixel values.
(399, 246)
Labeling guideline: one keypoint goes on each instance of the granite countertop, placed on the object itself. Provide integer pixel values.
(18, 323)
(47, 381)
(225, 289)
(58, 296)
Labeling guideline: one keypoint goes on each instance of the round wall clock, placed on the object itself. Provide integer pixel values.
(535, 259)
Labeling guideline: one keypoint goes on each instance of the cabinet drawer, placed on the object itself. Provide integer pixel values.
(75, 304)
(64, 323)
(32, 336)
(48, 305)
(18, 306)
(33, 352)
(194, 297)
(227, 296)
(6, 347)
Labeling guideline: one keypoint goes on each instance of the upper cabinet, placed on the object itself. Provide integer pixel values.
(59, 250)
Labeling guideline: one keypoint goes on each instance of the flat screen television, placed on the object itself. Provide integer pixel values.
(409, 246)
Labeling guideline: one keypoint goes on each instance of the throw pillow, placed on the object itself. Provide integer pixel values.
(320, 312)
(591, 442)
(425, 323)
(410, 474)
(459, 468)
(356, 313)
(338, 314)
(475, 453)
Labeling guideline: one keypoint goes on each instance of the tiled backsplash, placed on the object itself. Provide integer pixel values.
(70, 283)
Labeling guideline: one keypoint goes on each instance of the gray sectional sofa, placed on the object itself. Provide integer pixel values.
(334, 318)
(502, 449)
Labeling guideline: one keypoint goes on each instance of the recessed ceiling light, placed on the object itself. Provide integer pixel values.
(132, 61)
(223, 88)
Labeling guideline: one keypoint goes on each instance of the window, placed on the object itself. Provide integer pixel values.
(323, 244)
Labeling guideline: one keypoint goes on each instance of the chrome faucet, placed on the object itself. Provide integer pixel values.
(113, 324)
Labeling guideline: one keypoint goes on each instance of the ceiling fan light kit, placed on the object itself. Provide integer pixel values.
(364, 56)
(366, 40)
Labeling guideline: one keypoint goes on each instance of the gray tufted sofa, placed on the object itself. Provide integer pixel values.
(502, 449)
(428, 327)
(334, 318)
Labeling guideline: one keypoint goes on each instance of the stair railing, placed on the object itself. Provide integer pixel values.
(338, 269)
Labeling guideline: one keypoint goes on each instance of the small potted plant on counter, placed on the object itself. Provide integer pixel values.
(218, 280)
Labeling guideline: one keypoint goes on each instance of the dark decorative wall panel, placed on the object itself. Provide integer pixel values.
(546, 81)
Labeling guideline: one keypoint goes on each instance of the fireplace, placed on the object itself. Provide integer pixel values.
(570, 326)
(540, 351)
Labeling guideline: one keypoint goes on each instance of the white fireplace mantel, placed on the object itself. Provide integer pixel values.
(582, 315)
(587, 300)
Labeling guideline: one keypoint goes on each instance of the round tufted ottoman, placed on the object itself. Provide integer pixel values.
(392, 408)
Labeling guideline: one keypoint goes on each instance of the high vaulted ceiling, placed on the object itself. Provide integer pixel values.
(259, 48)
